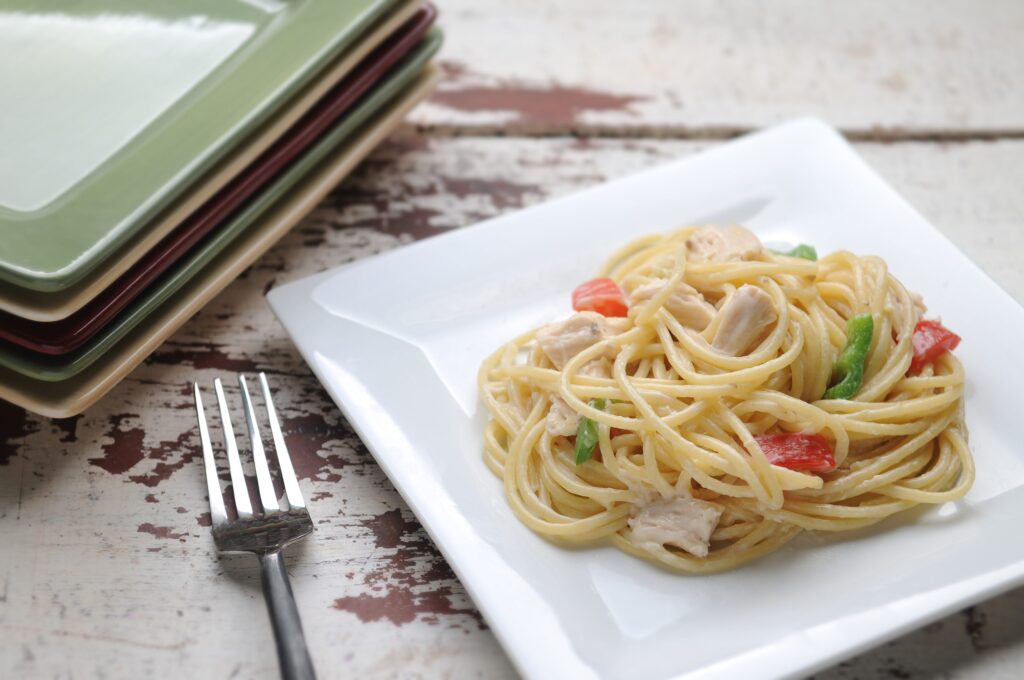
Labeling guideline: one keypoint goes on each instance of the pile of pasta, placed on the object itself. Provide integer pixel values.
(669, 418)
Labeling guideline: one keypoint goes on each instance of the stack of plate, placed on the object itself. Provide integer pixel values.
(151, 151)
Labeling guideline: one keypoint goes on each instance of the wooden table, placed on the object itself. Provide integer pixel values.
(107, 567)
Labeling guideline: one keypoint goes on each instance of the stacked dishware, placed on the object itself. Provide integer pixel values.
(152, 151)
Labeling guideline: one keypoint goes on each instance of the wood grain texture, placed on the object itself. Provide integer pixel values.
(709, 68)
(107, 567)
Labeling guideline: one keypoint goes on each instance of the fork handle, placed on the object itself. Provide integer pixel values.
(284, 616)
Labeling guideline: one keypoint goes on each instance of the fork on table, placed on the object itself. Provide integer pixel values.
(265, 533)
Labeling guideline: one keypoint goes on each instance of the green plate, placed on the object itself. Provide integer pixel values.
(112, 107)
(51, 369)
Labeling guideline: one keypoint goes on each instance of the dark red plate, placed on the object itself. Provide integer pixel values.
(66, 335)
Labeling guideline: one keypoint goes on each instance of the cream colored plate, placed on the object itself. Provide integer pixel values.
(68, 398)
(53, 306)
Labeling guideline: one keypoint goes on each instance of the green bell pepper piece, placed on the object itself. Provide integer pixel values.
(848, 373)
(803, 251)
(586, 434)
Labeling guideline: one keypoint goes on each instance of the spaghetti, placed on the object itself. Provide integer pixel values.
(686, 421)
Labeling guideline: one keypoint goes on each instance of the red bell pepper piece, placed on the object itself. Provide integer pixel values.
(600, 295)
(798, 451)
(931, 340)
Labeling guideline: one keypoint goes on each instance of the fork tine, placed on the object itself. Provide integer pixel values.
(291, 485)
(238, 485)
(259, 456)
(218, 514)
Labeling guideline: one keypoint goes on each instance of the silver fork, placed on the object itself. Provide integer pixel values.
(264, 534)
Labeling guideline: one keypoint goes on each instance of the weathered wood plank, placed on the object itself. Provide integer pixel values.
(705, 67)
(107, 566)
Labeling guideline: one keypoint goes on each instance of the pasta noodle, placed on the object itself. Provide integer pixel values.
(678, 420)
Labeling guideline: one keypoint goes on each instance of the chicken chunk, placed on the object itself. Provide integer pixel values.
(562, 340)
(743, 319)
(598, 368)
(722, 244)
(685, 303)
(919, 304)
(686, 523)
(614, 325)
(561, 420)
(916, 303)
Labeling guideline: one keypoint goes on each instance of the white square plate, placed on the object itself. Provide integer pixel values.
(397, 340)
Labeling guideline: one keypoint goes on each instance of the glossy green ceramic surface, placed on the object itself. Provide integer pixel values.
(111, 108)
(49, 369)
